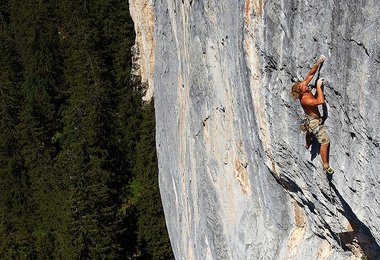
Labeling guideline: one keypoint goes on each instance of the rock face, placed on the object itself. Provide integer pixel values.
(235, 178)
(143, 15)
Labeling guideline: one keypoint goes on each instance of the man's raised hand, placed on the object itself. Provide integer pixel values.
(321, 59)
(319, 82)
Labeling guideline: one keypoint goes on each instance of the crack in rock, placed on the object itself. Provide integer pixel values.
(359, 44)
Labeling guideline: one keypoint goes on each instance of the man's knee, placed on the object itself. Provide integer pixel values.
(325, 144)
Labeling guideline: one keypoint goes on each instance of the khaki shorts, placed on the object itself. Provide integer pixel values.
(319, 131)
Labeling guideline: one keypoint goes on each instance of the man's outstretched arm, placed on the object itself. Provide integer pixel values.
(313, 70)
(319, 100)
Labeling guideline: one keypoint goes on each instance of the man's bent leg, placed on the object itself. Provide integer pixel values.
(324, 151)
(324, 140)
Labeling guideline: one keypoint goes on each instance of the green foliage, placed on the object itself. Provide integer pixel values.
(152, 234)
(78, 169)
(14, 181)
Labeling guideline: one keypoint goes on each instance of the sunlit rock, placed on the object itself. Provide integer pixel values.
(235, 178)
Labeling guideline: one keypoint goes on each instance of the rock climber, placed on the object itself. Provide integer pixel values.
(313, 121)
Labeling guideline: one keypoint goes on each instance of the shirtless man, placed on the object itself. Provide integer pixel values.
(310, 104)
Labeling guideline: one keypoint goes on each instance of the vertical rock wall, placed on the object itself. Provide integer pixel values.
(235, 178)
(144, 17)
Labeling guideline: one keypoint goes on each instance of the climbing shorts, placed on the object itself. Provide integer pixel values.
(318, 130)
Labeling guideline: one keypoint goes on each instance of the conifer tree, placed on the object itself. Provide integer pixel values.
(152, 234)
(35, 36)
(128, 100)
(14, 181)
(87, 133)
(74, 136)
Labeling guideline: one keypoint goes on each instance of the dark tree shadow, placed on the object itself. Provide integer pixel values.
(361, 235)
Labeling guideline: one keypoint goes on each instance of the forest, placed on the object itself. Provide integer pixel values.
(78, 164)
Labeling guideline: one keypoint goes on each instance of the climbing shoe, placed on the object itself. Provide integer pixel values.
(329, 170)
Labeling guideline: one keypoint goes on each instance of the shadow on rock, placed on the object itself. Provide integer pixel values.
(358, 239)
(314, 149)
(293, 187)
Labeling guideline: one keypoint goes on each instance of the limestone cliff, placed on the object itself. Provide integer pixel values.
(142, 13)
(235, 178)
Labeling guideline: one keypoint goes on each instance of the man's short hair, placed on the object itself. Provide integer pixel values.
(296, 90)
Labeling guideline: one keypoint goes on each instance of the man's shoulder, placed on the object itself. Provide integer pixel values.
(305, 98)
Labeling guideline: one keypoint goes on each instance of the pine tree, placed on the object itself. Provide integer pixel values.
(35, 36)
(152, 234)
(128, 102)
(73, 179)
(15, 240)
(14, 181)
(87, 133)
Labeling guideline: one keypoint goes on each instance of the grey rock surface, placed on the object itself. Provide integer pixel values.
(235, 178)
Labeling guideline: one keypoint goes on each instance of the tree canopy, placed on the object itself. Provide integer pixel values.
(78, 167)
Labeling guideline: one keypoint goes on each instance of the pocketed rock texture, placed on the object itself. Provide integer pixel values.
(235, 178)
